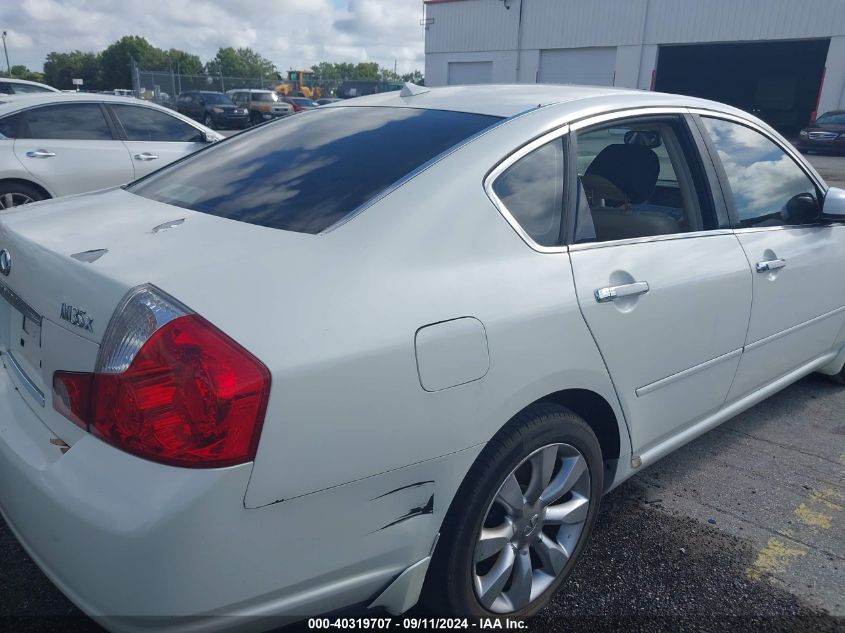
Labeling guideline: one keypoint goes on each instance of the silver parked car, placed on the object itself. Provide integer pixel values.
(57, 144)
(284, 375)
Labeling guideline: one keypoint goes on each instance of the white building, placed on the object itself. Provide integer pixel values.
(782, 58)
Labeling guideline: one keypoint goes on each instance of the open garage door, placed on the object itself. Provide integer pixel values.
(777, 81)
(464, 73)
(588, 66)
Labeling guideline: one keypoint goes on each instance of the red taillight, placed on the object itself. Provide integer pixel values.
(190, 397)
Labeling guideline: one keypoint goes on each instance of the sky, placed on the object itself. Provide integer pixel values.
(291, 33)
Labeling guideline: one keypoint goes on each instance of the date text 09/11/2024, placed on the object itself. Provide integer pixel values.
(407, 623)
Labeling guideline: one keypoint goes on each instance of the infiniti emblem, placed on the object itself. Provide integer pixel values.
(5, 262)
(531, 525)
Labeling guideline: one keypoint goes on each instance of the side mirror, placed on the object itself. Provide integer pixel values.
(801, 209)
(207, 138)
(833, 208)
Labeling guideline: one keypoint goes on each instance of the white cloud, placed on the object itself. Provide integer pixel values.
(292, 33)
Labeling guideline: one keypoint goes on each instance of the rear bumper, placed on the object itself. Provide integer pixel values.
(142, 546)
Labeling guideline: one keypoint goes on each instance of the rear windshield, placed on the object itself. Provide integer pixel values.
(307, 172)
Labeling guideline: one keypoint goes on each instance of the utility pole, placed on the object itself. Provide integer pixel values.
(6, 51)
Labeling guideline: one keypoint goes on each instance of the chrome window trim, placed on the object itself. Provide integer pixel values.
(502, 166)
(585, 246)
(574, 125)
(598, 119)
(789, 150)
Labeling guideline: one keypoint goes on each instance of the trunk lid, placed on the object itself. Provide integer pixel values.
(74, 259)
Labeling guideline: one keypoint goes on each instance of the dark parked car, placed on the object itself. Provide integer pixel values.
(300, 103)
(827, 133)
(214, 109)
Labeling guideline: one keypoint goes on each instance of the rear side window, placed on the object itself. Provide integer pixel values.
(532, 191)
(29, 88)
(307, 172)
(146, 124)
(76, 121)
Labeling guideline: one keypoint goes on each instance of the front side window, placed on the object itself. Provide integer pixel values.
(307, 172)
(641, 179)
(72, 121)
(532, 191)
(146, 124)
(766, 183)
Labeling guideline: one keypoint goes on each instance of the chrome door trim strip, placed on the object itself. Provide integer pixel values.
(658, 384)
(729, 410)
(794, 328)
(25, 380)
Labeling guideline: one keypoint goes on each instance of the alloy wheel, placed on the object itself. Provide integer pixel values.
(531, 528)
(14, 199)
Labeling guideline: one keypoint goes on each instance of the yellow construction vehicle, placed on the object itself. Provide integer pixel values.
(299, 83)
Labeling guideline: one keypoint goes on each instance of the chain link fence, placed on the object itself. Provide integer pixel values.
(163, 86)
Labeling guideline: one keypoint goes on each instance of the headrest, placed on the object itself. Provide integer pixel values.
(632, 168)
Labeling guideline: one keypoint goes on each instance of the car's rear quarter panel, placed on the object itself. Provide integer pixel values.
(345, 376)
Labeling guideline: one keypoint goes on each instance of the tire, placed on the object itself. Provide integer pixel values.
(209, 122)
(13, 194)
(255, 119)
(543, 434)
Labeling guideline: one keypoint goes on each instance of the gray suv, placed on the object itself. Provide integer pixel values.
(263, 105)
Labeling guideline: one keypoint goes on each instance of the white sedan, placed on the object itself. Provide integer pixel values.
(397, 348)
(57, 144)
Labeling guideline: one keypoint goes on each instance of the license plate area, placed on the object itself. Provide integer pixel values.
(20, 337)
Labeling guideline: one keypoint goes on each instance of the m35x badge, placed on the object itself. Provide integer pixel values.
(76, 317)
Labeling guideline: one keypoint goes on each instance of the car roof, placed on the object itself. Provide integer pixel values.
(9, 103)
(506, 100)
(14, 80)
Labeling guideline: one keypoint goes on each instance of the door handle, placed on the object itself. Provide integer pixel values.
(772, 264)
(146, 156)
(612, 293)
(40, 153)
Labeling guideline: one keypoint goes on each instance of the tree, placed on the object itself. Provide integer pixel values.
(116, 60)
(415, 77)
(61, 68)
(185, 63)
(366, 70)
(240, 62)
(22, 72)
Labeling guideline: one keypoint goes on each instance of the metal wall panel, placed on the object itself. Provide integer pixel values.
(588, 66)
(471, 25)
(687, 21)
(575, 23)
(475, 25)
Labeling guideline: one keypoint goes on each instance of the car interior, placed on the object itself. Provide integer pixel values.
(636, 183)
